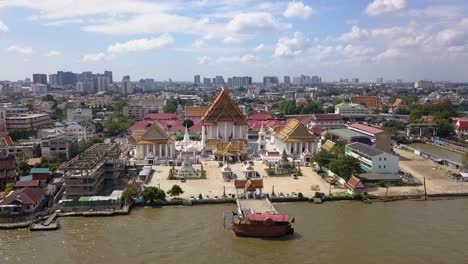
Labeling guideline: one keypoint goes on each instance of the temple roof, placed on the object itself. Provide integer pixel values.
(224, 108)
(295, 131)
(154, 133)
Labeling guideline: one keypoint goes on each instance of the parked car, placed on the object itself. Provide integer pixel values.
(295, 176)
(294, 194)
(192, 197)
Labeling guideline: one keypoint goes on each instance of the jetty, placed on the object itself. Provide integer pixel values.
(51, 223)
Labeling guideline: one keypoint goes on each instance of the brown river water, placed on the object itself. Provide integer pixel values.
(334, 232)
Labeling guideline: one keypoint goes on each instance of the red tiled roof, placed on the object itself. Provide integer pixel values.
(141, 125)
(355, 183)
(367, 129)
(257, 184)
(27, 196)
(161, 116)
(462, 125)
(31, 183)
(260, 117)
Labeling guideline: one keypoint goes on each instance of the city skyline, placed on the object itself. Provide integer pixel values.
(393, 39)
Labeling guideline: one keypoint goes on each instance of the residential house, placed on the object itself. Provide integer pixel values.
(24, 200)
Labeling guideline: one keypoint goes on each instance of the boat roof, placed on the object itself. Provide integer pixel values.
(267, 216)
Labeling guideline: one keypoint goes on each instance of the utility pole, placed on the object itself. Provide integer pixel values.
(425, 192)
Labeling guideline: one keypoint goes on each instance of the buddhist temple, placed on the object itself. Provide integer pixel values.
(154, 143)
(222, 123)
(295, 139)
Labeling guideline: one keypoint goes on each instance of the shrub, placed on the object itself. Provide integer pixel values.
(269, 172)
(300, 195)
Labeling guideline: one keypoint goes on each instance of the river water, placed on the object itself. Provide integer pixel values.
(334, 232)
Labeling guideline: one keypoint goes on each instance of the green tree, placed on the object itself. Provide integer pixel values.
(127, 193)
(445, 127)
(345, 167)
(23, 167)
(118, 106)
(188, 123)
(9, 187)
(170, 106)
(153, 194)
(323, 158)
(18, 134)
(117, 124)
(175, 191)
(48, 98)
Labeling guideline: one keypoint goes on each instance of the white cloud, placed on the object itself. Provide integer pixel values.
(248, 58)
(437, 11)
(136, 45)
(339, 52)
(58, 9)
(53, 53)
(140, 45)
(93, 57)
(454, 36)
(381, 7)
(298, 9)
(244, 59)
(286, 47)
(22, 50)
(3, 27)
(246, 23)
(260, 47)
(389, 54)
(61, 22)
(204, 60)
(199, 44)
(231, 40)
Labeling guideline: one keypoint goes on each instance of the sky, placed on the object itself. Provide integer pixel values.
(394, 39)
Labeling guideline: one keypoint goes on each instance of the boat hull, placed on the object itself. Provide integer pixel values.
(262, 230)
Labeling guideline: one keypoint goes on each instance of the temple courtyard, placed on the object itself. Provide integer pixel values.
(214, 184)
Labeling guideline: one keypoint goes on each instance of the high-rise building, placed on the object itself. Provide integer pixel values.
(196, 79)
(219, 80)
(85, 86)
(127, 85)
(109, 77)
(102, 83)
(53, 79)
(355, 80)
(287, 80)
(147, 84)
(380, 80)
(316, 79)
(40, 78)
(240, 81)
(207, 81)
(270, 81)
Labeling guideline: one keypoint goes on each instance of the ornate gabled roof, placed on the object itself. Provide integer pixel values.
(154, 133)
(224, 109)
(295, 131)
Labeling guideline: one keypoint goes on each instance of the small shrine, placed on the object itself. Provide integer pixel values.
(227, 173)
(249, 172)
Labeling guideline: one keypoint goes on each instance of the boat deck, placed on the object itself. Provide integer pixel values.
(256, 206)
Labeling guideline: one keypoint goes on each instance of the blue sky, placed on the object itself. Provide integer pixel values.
(393, 39)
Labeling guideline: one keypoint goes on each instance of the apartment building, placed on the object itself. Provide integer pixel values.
(27, 121)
